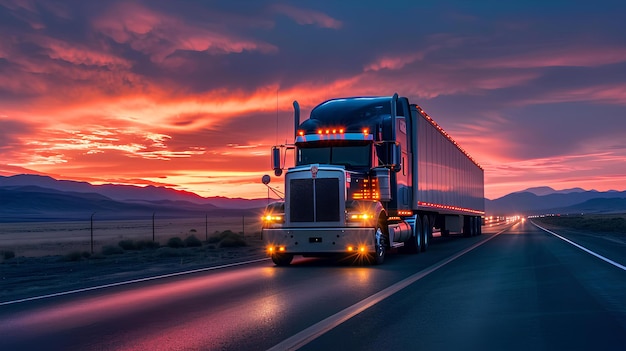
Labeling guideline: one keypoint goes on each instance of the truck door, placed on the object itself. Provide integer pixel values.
(403, 177)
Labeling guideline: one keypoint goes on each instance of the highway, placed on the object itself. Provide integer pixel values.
(512, 288)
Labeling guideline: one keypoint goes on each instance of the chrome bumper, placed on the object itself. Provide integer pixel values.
(313, 241)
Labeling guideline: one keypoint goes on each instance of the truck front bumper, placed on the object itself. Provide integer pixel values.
(318, 241)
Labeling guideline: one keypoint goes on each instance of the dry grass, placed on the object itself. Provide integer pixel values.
(37, 239)
(607, 223)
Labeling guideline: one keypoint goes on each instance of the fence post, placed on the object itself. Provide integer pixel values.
(91, 221)
(153, 226)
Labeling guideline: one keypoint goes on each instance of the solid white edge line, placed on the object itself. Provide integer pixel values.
(130, 282)
(316, 330)
(581, 247)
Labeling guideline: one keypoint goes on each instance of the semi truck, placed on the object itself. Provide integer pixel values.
(370, 174)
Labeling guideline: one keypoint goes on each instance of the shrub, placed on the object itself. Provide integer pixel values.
(175, 243)
(7, 254)
(128, 244)
(215, 238)
(112, 250)
(192, 241)
(147, 244)
(230, 239)
(72, 256)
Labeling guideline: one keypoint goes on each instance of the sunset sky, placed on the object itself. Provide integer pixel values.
(193, 94)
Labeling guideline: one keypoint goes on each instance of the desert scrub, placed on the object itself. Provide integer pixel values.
(175, 243)
(230, 239)
(72, 257)
(112, 250)
(7, 254)
(192, 241)
(130, 245)
(147, 244)
(594, 222)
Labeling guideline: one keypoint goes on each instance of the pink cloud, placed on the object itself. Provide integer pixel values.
(570, 56)
(307, 16)
(394, 62)
(160, 35)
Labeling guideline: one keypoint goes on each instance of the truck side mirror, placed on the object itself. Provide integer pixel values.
(278, 170)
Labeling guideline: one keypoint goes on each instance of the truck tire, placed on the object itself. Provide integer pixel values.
(414, 244)
(467, 226)
(427, 232)
(282, 259)
(380, 244)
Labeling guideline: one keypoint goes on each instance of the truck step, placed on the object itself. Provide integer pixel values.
(396, 245)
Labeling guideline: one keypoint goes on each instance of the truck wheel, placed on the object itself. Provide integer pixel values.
(426, 233)
(466, 227)
(380, 246)
(414, 244)
(282, 259)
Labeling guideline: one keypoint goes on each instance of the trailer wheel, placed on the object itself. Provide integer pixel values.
(426, 233)
(414, 244)
(380, 246)
(466, 227)
(282, 259)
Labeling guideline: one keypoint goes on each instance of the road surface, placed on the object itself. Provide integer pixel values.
(523, 288)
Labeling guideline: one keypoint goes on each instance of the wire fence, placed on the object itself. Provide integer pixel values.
(53, 238)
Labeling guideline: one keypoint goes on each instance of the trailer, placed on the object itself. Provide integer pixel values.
(370, 174)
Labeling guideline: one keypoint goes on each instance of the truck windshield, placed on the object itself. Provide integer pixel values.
(349, 156)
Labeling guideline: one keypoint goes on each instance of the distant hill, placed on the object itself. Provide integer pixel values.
(31, 203)
(126, 193)
(528, 202)
(35, 197)
(546, 190)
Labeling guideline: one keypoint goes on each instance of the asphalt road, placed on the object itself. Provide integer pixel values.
(521, 289)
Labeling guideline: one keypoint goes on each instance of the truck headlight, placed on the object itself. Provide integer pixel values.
(272, 220)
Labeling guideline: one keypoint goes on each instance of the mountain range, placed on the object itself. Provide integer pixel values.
(28, 197)
(544, 200)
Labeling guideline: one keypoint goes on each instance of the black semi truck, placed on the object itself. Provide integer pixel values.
(370, 174)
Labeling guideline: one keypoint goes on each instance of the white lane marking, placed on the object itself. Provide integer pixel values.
(130, 282)
(581, 247)
(316, 330)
